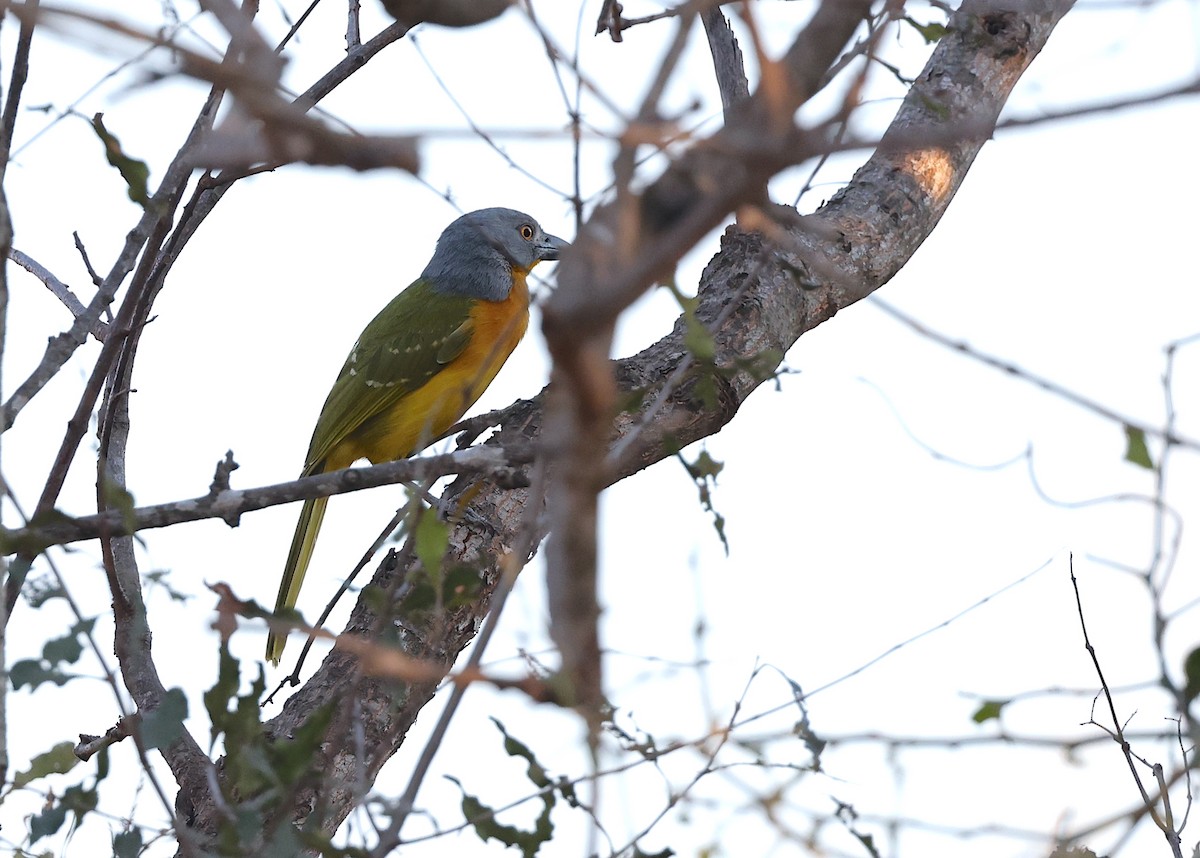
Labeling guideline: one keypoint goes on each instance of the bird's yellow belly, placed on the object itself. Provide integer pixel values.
(427, 412)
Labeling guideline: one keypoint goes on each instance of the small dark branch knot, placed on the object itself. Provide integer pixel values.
(511, 478)
(672, 197)
(220, 482)
(994, 25)
(1011, 35)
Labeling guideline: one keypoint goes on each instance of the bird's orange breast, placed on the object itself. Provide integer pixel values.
(427, 412)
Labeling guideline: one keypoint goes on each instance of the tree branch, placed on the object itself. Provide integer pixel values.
(229, 504)
(58, 289)
(728, 64)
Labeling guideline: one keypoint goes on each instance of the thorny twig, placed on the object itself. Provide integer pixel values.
(1117, 732)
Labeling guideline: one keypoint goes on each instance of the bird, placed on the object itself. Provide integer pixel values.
(422, 361)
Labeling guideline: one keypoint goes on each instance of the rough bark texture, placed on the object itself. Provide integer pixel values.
(761, 292)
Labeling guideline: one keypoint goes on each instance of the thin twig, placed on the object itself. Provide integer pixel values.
(1044, 383)
(58, 289)
(1117, 729)
(16, 83)
(296, 26)
(87, 262)
(478, 130)
(353, 30)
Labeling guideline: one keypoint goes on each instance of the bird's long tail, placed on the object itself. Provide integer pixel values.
(300, 553)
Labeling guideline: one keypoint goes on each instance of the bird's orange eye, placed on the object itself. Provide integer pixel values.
(527, 232)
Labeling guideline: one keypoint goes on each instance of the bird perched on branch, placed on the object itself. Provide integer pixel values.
(423, 361)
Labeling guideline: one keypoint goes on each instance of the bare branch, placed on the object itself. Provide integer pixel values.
(1168, 435)
(728, 64)
(613, 21)
(250, 73)
(58, 289)
(16, 87)
(1183, 90)
(1118, 735)
(89, 746)
(60, 348)
(311, 144)
(230, 504)
(353, 28)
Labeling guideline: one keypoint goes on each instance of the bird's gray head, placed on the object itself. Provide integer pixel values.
(479, 253)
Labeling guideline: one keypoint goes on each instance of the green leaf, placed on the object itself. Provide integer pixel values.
(127, 844)
(432, 537)
(119, 498)
(80, 800)
(930, 32)
(29, 541)
(294, 759)
(57, 761)
(69, 647)
(261, 767)
(696, 337)
(703, 471)
(46, 823)
(461, 586)
(698, 340)
(630, 400)
(135, 173)
(102, 764)
(567, 790)
(249, 769)
(421, 597)
(42, 589)
(1191, 672)
(33, 672)
(75, 799)
(515, 748)
(705, 467)
(989, 710)
(868, 842)
(483, 818)
(216, 699)
(162, 726)
(703, 388)
(160, 577)
(1135, 448)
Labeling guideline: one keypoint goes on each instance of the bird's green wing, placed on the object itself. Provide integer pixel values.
(455, 342)
(403, 347)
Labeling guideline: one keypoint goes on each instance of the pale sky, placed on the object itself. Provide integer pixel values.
(1067, 252)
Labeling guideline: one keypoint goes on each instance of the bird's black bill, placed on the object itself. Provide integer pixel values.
(551, 247)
